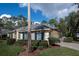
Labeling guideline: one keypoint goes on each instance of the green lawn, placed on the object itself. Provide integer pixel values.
(9, 50)
(13, 50)
(62, 51)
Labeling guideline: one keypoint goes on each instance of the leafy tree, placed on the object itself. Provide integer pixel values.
(62, 26)
(9, 25)
(1, 24)
(53, 22)
(73, 23)
(14, 18)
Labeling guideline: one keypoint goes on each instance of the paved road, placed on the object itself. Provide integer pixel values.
(74, 46)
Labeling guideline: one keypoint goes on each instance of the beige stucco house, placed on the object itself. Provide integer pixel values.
(38, 32)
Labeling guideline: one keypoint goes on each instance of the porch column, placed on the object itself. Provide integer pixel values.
(13, 35)
(46, 35)
(17, 35)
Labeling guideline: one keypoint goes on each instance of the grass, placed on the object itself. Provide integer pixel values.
(61, 51)
(9, 50)
(13, 50)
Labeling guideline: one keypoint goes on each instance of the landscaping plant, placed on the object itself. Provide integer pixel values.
(11, 41)
(53, 41)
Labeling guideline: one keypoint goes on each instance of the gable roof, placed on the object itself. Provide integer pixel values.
(38, 27)
(35, 27)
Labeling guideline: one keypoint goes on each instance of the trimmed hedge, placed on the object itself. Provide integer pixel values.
(21, 42)
(1, 41)
(11, 41)
(4, 38)
(40, 44)
(68, 39)
(41, 47)
(53, 40)
(43, 44)
(35, 44)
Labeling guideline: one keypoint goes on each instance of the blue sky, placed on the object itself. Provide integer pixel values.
(39, 11)
(12, 9)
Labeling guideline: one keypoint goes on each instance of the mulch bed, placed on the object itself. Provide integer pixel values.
(36, 52)
(25, 53)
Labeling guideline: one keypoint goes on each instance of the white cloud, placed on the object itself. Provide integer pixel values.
(23, 4)
(66, 11)
(52, 10)
(5, 15)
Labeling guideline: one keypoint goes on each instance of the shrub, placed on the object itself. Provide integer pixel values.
(43, 44)
(1, 41)
(53, 40)
(35, 44)
(21, 42)
(4, 38)
(33, 48)
(11, 41)
(40, 47)
(68, 39)
(40, 44)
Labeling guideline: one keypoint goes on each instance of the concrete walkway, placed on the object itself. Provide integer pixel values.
(74, 46)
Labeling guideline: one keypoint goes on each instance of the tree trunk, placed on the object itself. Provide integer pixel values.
(29, 29)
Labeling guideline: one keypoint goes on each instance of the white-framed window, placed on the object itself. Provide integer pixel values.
(38, 35)
(21, 35)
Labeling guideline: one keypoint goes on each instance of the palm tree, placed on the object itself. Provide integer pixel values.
(29, 29)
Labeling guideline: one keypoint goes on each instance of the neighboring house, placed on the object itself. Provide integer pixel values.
(38, 32)
(3, 33)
